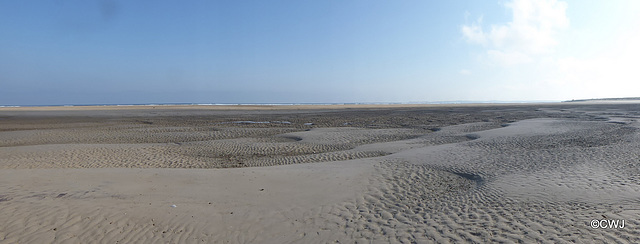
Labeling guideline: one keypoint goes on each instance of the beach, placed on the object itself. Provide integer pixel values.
(395, 173)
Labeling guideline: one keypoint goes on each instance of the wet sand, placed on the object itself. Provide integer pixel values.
(317, 174)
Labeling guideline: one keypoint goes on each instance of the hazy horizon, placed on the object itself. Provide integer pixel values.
(311, 103)
(119, 52)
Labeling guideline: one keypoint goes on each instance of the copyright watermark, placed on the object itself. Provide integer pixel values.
(607, 223)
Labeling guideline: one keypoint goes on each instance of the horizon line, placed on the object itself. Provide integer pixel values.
(288, 103)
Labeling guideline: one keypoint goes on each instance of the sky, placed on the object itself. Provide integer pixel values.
(134, 52)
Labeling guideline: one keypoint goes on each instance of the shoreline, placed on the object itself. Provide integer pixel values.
(307, 106)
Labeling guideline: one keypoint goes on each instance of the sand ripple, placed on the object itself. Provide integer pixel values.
(513, 174)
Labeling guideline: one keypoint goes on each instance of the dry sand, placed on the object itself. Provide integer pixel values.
(401, 174)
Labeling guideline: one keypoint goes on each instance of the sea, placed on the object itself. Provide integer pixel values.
(273, 104)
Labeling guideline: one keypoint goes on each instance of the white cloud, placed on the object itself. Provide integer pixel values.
(474, 32)
(464, 72)
(613, 73)
(534, 24)
(527, 45)
(531, 31)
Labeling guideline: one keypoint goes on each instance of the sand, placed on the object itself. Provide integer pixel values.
(318, 174)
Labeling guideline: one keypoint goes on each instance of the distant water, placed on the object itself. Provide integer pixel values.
(272, 104)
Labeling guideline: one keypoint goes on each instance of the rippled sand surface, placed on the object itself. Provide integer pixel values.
(407, 174)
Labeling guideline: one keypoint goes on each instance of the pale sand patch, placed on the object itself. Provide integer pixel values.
(135, 205)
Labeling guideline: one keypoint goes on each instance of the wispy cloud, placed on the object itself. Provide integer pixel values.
(531, 31)
(507, 58)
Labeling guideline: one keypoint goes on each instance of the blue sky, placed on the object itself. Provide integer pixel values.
(126, 52)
